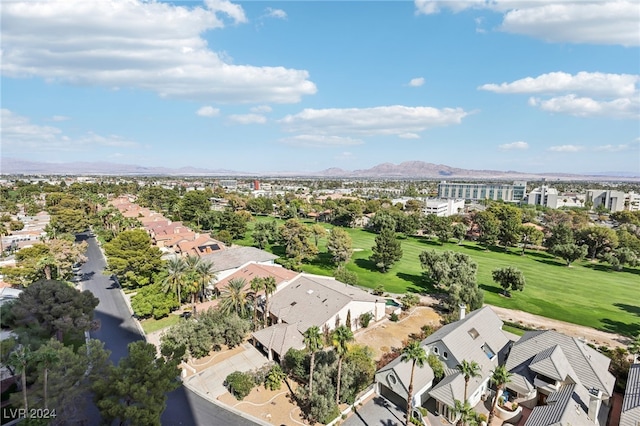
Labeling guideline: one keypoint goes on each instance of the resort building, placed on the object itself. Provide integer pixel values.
(482, 191)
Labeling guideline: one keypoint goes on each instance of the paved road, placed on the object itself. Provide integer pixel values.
(118, 329)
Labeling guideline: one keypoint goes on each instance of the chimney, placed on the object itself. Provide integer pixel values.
(595, 400)
(463, 310)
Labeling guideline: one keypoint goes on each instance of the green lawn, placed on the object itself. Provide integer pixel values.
(150, 325)
(587, 293)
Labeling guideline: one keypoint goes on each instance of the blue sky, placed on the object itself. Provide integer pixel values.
(533, 86)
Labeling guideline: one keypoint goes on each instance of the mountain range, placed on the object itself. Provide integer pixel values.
(405, 170)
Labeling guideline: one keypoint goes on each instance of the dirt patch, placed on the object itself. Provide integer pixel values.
(386, 334)
(592, 335)
(274, 407)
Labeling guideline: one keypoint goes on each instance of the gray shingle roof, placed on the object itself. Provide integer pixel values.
(631, 403)
(465, 338)
(235, 257)
(452, 387)
(422, 376)
(591, 367)
(312, 300)
(280, 337)
(552, 363)
(565, 407)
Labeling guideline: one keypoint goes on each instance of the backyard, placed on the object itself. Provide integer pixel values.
(587, 293)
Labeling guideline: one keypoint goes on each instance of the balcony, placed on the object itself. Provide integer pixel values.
(546, 384)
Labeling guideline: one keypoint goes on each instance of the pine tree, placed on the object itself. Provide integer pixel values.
(387, 250)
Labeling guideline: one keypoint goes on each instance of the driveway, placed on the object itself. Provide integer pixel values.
(210, 381)
(377, 412)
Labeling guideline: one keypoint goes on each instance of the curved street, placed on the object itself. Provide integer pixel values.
(118, 329)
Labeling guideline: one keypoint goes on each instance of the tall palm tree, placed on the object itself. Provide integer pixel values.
(468, 370)
(19, 359)
(341, 336)
(234, 298)
(500, 376)
(174, 281)
(256, 287)
(46, 356)
(313, 343)
(206, 273)
(270, 287)
(464, 410)
(192, 279)
(415, 354)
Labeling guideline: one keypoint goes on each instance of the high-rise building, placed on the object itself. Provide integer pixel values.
(482, 191)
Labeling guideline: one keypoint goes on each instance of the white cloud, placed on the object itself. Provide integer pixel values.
(60, 118)
(247, 118)
(588, 107)
(148, 45)
(19, 136)
(319, 141)
(208, 111)
(566, 148)
(261, 109)
(514, 145)
(616, 148)
(275, 13)
(383, 120)
(572, 21)
(586, 83)
(583, 94)
(416, 82)
(409, 136)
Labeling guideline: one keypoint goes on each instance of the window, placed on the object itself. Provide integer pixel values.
(435, 350)
(488, 352)
(445, 355)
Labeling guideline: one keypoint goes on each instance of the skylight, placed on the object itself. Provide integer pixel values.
(473, 333)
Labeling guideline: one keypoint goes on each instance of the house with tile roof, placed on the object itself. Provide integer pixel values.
(253, 270)
(630, 415)
(201, 246)
(561, 378)
(309, 300)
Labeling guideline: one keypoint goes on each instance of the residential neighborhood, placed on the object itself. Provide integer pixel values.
(180, 283)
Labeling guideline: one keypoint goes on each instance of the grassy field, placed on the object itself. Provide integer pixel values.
(587, 293)
(150, 325)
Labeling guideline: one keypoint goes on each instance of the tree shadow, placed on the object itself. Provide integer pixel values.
(632, 309)
(629, 330)
(599, 267)
(551, 262)
(323, 260)
(490, 288)
(366, 264)
(421, 284)
(279, 250)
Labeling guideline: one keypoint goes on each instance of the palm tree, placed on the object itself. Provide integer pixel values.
(234, 298)
(256, 286)
(46, 356)
(270, 287)
(206, 272)
(341, 336)
(45, 263)
(176, 269)
(464, 410)
(313, 343)
(192, 279)
(19, 359)
(500, 376)
(416, 354)
(468, 370)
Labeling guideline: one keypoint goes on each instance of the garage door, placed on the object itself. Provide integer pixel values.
(392, 396)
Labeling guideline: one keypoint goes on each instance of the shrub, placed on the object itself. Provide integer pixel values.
(379, 290)
(394, 317)
(294, 364)
(409, 301)
(239, 384)
(365, 319)
(274, 378)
